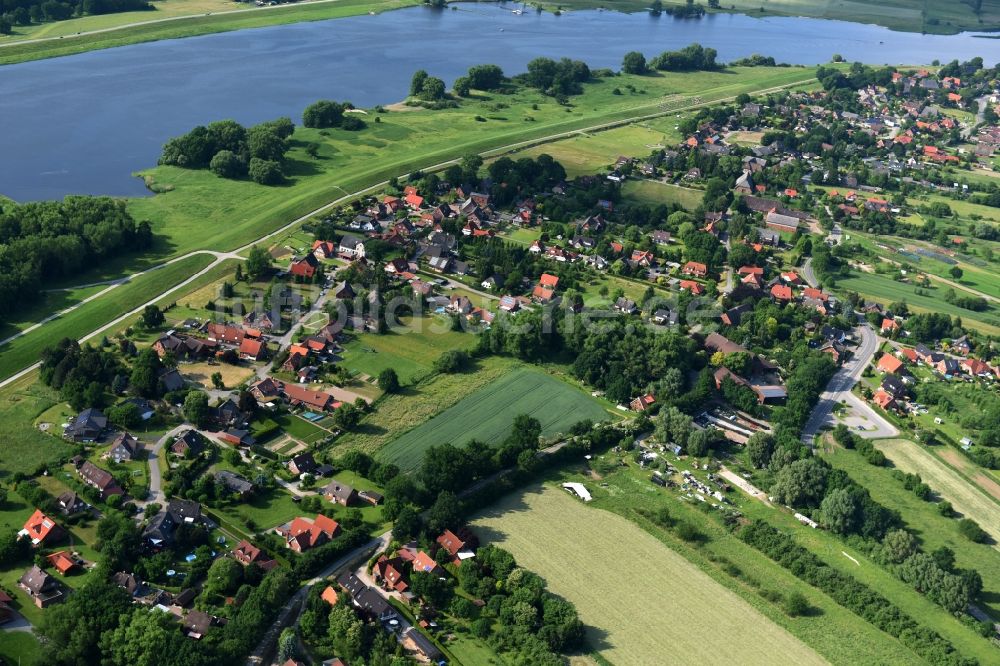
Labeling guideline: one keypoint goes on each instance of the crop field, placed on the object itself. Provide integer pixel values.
(887, 290)
(487, 415)
(657, 608)
(350, 161)
(967, 499)
(653, 193)
(923, 518)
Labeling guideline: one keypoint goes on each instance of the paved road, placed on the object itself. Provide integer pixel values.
(839, 390)
(161, 20)
(221, 256)
(808, 274)
(290, 610)
(155, 474)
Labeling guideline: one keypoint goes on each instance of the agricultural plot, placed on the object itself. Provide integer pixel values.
(659, 609)
(967, 499)
(487, 414)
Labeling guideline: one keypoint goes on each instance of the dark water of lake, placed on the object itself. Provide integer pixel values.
(82, 124)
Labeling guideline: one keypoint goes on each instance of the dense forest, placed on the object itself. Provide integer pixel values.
(25, 12)
(50, 240)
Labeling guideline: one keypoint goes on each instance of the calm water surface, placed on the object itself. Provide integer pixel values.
(83, 124)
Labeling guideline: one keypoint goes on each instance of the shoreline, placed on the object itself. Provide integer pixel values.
(243, 18)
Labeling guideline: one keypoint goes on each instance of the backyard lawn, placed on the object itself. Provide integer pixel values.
(487, 415)
(654, 193)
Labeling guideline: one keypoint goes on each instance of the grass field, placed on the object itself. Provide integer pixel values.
(25, 350)
(410, 349)
(585, 153)
(299, 428)
(399, 412)
(923, 518)
(887, 290)
(24, 446)
(653, 193)
(967, 498)
(642, 602)
(487, 414)
(21, 648)
(350, 161)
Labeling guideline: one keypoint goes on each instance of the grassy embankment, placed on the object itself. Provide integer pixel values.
(188, 18)
(923, 517)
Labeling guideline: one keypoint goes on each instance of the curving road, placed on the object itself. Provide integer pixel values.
(839, 390)
(235, 254)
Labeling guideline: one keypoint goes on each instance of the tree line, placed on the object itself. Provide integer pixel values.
(26, 12)
(49, 240)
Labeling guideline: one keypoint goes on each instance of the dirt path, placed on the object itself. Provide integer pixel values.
(978, 476)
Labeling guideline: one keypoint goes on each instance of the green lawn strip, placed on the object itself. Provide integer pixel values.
(486, 415)
(193, 26)
(923, 519)
(835, 632)
(21, 648)
(352, 161)
(298, 427)
(48, 302)
(266, 508)
(25, 350)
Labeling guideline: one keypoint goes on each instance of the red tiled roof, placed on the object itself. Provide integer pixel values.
(889, 363)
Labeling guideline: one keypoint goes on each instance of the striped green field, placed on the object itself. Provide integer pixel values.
(487, 415)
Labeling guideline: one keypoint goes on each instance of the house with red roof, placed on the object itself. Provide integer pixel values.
(391, 572)
(413, 201)
(246, 554)
(324, 249)
(695, 288)
(460, 548)
(884, 400)
(812, 292)
(781, 292)
(751, 270)
(424, 563)
(548, 280)
(791, 278)
(910, 354)
(302, 534)
(642, 403)
(976, 368)
(304, 267)
(253, 350)
(330, 595)
(889, 364)
(41, 529)
(889, 325)
(695, 269)
(61, 562)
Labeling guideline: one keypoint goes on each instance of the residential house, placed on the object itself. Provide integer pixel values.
(130, 583)
(642, 403)
(423, 645)
(894, 385)
(171, 379)
(715, 342)
(695, 269)
(87, 426)
(976, 368)
(397, 266)
(190, 440)
(302, 396)
(226, 334)
(196, 624)
(460, 546)
(780, 222)
(70, 504)
(41, 588)
(124, 448)
(302, 534)
(101, 479)
(261, 321)
(369, 602)
(351, 247)
(324, 249)
(509, 304)
(696, 288)
(391, 573)
(660, 237)
(246, 554)
(889, 364)
(733, 316)
(626, 306)
(371, 497)
(745, 184)
(340, 493)
(303, 463)
(889, 326)
(234, 484)
(160, 530)
(42, 530)
(253, 350)
(666, 317)
(781, 292)
(424, 563)
(305, 267)
(62, 562)
(884, 400)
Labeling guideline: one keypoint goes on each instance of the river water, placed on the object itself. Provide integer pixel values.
(83, 124)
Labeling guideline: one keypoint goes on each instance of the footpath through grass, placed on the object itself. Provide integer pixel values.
(351, 161)
(486, 415)
(90, 316)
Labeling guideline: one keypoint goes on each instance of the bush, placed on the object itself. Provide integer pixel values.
(796, 605)
(265, 172)
(971, 530)
(227, 164)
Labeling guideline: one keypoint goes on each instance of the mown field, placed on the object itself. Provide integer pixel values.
(642, 602)
(410, 349)
(487, 414)
(923, 517)
(351, 161)
(966, 497)
(653, 193)
(887, 290)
